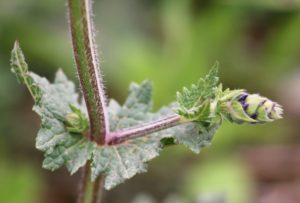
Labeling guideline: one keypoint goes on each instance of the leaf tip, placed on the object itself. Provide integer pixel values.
(16, 44)
(18, 64)
(214, 69)
(60, 76)
(216, 64)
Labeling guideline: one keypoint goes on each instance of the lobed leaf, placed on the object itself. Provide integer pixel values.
(52, 105)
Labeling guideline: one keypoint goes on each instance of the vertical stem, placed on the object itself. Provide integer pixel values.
(85, 193)
(90, 192)
(89, 74)
(88, 69)
(98, 190)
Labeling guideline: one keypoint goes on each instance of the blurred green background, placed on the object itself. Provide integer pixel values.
(172, 43)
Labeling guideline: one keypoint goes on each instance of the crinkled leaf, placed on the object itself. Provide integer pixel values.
(194, 135)
(193, 102)
(52, 105)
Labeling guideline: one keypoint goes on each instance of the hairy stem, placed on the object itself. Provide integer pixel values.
(144, 129)
(88, 69)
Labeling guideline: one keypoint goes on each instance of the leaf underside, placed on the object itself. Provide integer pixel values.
(117, 162)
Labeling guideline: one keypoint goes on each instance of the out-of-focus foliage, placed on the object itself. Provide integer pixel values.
(172, 43)
(18, 184)
(233, 184)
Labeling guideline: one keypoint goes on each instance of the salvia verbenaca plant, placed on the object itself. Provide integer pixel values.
(112, 142)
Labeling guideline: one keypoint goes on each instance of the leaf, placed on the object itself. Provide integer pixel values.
(193, 135)
(122, 161)
(20, 68)
(52, 105)
(193, 102)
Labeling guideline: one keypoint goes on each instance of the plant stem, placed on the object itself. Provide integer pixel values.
(98, 190)
(84, 185)
(144, 129)
(88, 68)
(90, 192)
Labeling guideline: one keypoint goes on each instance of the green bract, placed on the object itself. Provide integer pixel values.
(76, 121)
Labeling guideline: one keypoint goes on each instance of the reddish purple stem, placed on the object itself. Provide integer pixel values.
(142, 130)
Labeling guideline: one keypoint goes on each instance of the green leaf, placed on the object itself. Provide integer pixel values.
(20, 68)
(194, 102)
(52, 103)
(194, 135)
(60, 146)
(122, 161)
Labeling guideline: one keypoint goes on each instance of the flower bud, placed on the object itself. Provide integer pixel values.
(252, 108)
(72, 119)
(76, 121)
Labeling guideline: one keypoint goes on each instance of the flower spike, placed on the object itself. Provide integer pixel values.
(252, 108)
(204, 103)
